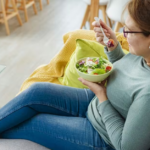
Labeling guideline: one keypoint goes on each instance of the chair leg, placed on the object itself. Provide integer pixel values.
(5, 17)
(15, 9)
(41, 6)
(113, 22)
(110, 23)
(88, 16)
(94, 11)
(47, 1)
(25, 10)
(6, 5)
(7, 27)
(103, 9)
(85, 16)
(118, 26)
(34, 8)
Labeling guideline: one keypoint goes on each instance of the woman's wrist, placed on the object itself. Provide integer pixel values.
(102, 97)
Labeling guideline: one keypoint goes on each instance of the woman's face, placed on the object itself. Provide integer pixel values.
(138, 43)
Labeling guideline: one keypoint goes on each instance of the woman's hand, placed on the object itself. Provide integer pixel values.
(98, 88)
(108, 31)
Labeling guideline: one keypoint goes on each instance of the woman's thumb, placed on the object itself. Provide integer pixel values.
(85, 82)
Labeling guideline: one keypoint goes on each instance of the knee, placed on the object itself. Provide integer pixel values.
(32, 92)
(36, 87)
(40, 88)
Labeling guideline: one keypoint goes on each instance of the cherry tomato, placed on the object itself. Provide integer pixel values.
(108, 68)
(95, 73)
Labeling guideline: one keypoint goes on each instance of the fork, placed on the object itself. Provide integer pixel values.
(105, 39)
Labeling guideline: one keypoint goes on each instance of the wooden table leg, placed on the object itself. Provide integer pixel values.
(94, 11)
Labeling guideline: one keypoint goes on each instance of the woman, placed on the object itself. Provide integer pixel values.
(98, 118)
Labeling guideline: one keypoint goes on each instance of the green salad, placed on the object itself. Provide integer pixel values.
(94, 66)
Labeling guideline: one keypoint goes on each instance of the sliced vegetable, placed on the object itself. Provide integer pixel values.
(98, 71)
(110, 43)
(95, 73)
(108, 68)
(95, 66)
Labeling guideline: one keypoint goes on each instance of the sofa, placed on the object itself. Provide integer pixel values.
(19, 144)
(56, 66)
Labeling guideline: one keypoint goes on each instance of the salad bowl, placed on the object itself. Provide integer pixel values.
(94, 69)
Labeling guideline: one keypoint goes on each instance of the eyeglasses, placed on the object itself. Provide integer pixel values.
(125, 33)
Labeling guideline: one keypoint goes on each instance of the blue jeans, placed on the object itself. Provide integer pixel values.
(53, 116)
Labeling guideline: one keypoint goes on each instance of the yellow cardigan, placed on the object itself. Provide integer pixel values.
(55, 69)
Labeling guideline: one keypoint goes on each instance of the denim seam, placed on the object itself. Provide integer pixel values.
(59, 108)
(20, 106)
(48, 133)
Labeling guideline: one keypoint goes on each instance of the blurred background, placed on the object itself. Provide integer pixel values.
(31, 33)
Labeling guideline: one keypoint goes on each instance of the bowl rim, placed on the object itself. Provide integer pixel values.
(91, 74)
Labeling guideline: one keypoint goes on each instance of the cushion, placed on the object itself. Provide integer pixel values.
(84, 48)
(55, 68)
(20, 144)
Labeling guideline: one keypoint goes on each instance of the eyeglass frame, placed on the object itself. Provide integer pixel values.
(130, 32)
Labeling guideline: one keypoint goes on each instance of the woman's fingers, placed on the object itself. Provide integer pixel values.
(101, 34)
(95, 24)
(85, 82)
(99, 37)
(98, 29)
(103, 82)
(104, 25)
(100, 40)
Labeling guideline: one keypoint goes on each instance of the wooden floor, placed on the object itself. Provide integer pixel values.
(36, 42)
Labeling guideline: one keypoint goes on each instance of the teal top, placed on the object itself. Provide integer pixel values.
(123, 121)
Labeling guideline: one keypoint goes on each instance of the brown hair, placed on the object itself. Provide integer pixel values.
(139, 10)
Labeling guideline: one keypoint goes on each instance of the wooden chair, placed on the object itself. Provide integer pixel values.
(24, 5)
(41, 5)
(6, 14)
(102, 7)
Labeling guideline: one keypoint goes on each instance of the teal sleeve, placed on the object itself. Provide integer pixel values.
(114, 55)
(132, 133)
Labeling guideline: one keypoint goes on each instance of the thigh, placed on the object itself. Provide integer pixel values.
(59, 132)
(44, 98)
(61, 100)
(55, 99)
